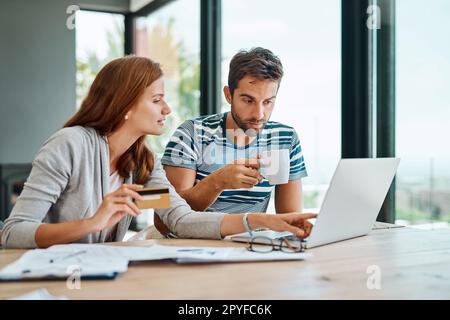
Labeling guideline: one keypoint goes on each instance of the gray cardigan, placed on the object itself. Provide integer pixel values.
(68, 180)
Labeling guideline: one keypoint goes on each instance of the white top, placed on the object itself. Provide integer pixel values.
(115, 182)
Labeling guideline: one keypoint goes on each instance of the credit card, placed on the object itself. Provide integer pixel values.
(154, 198)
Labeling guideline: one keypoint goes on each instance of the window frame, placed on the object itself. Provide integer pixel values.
(368, 87)
(210, 48)
(368, 113)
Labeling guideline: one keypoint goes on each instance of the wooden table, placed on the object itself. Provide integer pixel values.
(414, 264)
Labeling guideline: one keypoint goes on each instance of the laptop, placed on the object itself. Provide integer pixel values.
(351, 205)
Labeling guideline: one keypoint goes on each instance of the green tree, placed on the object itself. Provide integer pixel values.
(182, 70)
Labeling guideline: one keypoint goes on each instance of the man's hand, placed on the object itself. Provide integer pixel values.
(202, 194)
(239, 174)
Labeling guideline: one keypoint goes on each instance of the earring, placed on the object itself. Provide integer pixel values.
(126, 117)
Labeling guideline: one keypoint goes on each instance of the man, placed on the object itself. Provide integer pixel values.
(212, 161)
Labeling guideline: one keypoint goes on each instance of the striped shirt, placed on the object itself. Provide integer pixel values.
(202, 145)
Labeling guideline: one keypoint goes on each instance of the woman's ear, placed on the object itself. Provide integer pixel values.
(227, 94)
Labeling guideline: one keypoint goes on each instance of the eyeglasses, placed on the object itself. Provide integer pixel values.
(288, 244)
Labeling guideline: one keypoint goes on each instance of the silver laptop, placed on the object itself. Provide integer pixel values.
(352, 202)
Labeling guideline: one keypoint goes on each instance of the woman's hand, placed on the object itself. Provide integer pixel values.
(297, 223)
(115, 206)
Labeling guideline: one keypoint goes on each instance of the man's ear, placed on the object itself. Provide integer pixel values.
(227, 94)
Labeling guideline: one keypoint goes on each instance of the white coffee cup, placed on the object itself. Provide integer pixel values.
(274, 165)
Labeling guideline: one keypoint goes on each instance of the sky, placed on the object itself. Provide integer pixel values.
(91, 29)
(423, 86)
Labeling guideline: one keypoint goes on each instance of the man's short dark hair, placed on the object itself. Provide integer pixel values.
(258, 62)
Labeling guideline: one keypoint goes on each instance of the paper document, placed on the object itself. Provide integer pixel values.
(126, 252)
(213, 254)
(47, 263)
(105, 261)
(162, 252)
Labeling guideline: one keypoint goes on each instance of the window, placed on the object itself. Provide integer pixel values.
(422, 102)
(99, 39)
(171, 36)
(306, 36)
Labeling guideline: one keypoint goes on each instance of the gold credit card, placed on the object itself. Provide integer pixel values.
(154, 198)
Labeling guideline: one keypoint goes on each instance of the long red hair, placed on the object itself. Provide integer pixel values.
(115, 90)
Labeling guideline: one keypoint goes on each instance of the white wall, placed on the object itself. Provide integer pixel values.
(37, 72)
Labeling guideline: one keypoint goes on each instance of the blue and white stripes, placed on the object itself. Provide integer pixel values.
(204, 145)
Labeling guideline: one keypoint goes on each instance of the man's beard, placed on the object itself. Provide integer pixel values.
(244, 124)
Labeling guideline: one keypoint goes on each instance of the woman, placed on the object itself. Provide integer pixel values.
(84, 178)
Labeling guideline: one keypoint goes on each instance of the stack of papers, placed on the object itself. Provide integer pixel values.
(93, 261)
(213, 254)
(183, 254)
(88, 262)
